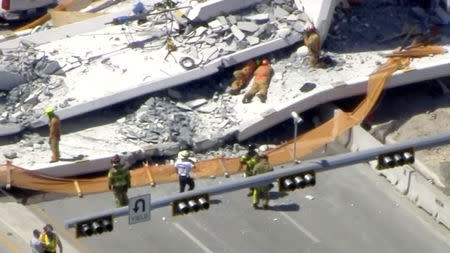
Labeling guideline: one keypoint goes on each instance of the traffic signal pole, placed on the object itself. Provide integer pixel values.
(318, 165)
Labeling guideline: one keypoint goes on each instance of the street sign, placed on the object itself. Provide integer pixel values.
(139, 209)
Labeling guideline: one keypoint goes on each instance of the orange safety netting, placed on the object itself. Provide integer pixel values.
(306, 143)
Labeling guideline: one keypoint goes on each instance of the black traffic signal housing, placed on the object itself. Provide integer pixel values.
(94, 226)
(297, 181)
(189, 205)
(394, 159)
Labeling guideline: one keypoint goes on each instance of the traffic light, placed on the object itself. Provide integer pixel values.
(94, 226)
(192, 204)
(300, 180)
(398, 158)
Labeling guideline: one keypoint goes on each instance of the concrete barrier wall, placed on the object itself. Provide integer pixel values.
(405, 179)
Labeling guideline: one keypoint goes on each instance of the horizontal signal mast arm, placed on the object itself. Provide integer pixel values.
(318, 165)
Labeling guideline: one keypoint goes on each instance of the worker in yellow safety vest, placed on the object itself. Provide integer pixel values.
(50, 240)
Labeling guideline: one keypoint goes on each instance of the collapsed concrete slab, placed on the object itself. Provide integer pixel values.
(186, 64)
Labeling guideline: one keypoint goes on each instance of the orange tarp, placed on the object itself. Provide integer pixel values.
(306, 143)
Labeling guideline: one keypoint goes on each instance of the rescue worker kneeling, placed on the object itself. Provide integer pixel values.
(119, 181)
(262, 167)
(242, 77)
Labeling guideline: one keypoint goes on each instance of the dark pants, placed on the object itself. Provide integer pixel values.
(186, 180)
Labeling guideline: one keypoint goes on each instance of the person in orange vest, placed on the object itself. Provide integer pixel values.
(242, 77)
(261, 82)
(50, 240)
(54, 125)
(312, 42)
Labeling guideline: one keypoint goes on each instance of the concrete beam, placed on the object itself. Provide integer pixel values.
(210, 9)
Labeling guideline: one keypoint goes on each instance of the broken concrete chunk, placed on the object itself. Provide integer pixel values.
(200, 30)
(183, 106)
(215, 24)
(283, 33)
(237, 33)
(232, 47)
(232, 19)
(299, 26)
(10, 154)
(196, 103)
(262, 17)
(252, 40)
(210, 41)
(222, 20)
(247, 26)
(280, 13)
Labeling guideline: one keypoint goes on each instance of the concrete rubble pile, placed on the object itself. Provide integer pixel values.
(186, 115)
(37, 75)
(202, 42)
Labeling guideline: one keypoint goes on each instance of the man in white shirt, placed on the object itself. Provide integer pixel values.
(35, 244)
(183, 167)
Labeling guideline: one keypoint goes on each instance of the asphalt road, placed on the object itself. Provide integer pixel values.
(353, 210)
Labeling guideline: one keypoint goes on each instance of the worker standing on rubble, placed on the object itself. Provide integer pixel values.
(261, 82)
(242, 76)
(312, 42)
(262, 167)
(249, 160)
(183, 167)
(119, 181)
(55, 133)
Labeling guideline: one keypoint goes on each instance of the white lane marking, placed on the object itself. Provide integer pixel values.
(192, 237)
(301, 228)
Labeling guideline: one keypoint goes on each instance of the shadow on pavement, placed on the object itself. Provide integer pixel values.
(284, 208)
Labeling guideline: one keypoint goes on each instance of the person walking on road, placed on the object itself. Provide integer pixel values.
(183, 166)
(54, 125)
(35, 243)
(50, 240)
(119, 180)
(248, 161)
(262, 167)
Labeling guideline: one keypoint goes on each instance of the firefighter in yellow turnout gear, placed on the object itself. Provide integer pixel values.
(249, 160)
(261, 167)
(119, 181)
(312, 42)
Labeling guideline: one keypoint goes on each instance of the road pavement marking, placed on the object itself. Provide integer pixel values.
(301, 228)
(192, 237)
(8, 244)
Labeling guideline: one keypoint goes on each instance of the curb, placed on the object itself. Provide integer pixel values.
(408, 180)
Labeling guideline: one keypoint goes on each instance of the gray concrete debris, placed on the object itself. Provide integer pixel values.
(262, 17)
(252, 40)
(237, 33)
(196, 103)
(280, 13)
(247, 26)
(10, 154)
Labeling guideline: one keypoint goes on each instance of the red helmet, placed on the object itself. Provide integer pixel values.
(265, 62)
(115, 159)
(310, 29)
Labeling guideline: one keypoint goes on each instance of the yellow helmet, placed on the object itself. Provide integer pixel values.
(183, 154)
(49, 110)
